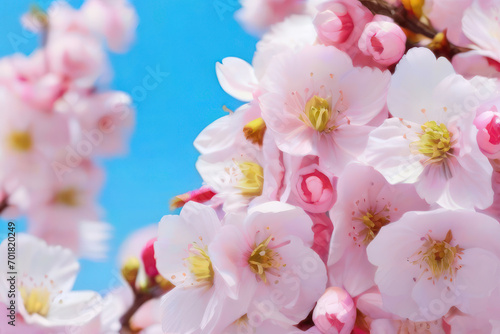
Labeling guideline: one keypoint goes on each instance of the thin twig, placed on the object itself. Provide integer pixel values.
(140, 299)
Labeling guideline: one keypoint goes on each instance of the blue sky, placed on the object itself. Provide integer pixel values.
(184, 38)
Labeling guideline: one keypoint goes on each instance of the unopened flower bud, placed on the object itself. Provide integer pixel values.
(340, 22)
(488, 136)
(130, 270)
(148, 258)
(335, 312)
(334, 25)
(383, 40)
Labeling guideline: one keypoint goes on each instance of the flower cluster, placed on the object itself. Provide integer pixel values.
(356, 190)
(58, 116)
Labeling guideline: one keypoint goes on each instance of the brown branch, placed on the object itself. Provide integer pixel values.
(400, 16)
(412, 23)
(140, 299)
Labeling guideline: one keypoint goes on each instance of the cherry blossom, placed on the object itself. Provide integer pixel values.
(429, 262)
(311, 111)
(430, 141)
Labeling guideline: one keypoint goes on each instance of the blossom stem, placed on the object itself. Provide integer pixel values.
(140, 298)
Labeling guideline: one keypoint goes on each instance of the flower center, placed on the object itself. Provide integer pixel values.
(20, 141)
(318, 113)
(439, 256)
(263, 259)
(254, 131)
(493, 129)
(68, 197)
(252, 182)
(373, 221)
(200, 265)
(435, 141)
(36, 300)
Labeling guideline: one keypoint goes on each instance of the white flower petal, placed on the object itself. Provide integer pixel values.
(237, 78)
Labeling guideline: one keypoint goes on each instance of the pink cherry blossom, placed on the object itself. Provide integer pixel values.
(340, 23)
(30, 79)
(429, 262)
(184, 257)
(265, 259)
(479, 20)
(335, 312)
(367, 203)
(104, 121)
(383, 40)
(28, 143)
(77, 57)
(430, 142)
(65, 213)
(234, 151)
(45, 278)
(316, 103)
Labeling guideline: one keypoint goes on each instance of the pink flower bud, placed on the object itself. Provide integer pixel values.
(334, 24)
(149, 260)
(335, 312)
(314, 190)
(488, 136)
(383, 40)
(340, 22)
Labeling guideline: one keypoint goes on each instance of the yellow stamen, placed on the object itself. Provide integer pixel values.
(263, 259)
(318, 113)
(36, 300)
(254, 131)
(20, 141)
(439, 256)
(68, 197)
(435, 142)
(200, 265)
(373, 221)
(253, 179)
